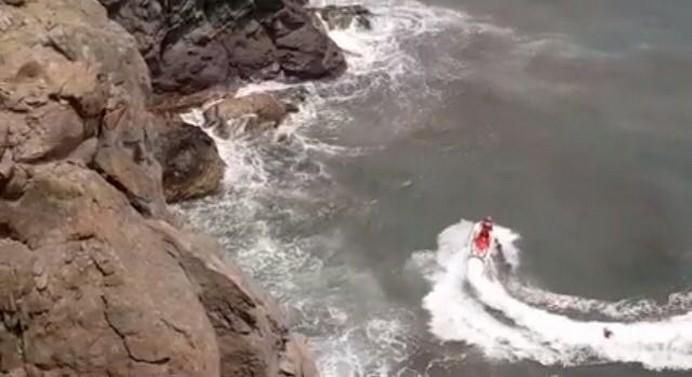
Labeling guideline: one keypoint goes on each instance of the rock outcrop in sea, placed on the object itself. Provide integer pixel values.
(97, 276)
(254, 113)
(191, 45)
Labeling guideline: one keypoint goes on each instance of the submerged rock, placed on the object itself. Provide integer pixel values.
(292, 96)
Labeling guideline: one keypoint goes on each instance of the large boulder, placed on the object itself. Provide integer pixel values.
(90, 287)
(190, 161)
(250, 114)
(191, 45)
(96, 277)
(304, 50)
(67, 78)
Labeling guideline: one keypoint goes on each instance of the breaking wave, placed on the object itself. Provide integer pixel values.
(469, 304)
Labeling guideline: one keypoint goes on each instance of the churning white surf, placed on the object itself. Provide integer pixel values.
(462, 294)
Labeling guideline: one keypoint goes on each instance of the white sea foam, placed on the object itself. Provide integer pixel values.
(463, 294)
(623, 310)
(383, 54)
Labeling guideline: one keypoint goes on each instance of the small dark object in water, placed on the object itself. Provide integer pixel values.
(607, 333)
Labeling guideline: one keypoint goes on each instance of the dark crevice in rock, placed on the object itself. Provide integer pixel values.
(180, 331)
(8, 232)
(100, 267)
(113, 6)
(15, 324)
(81, 237)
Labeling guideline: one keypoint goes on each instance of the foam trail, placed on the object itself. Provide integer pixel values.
(622, 310)
(456, 315)
(528, 332)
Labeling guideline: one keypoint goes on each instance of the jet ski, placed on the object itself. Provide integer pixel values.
(483, 243)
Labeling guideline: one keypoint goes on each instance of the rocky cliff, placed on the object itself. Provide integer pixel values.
(193, 44)
(97, 278)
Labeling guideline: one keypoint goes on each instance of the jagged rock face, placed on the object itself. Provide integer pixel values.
(191, 45)
(61, 82)
(94, 279)
(81, 290)
(90, 287)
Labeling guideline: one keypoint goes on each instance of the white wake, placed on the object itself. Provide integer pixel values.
(467, 305)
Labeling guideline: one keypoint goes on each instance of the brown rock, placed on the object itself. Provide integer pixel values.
(176, 103)
(4, 137)
(192, 64)
(15, 182)
(124, 157)
(6, 167)
(298, 359)
(305, 51)
(84, 87)
(257, 59)
(149, 323)
(250, 329)
(85, 152)
(93, 280)
(251, 113)
(52, 132)
(190, 161)
(15, 282)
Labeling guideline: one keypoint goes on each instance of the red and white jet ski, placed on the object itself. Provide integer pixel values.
(483, 243)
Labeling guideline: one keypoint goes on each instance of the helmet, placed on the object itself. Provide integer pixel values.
(488, 219)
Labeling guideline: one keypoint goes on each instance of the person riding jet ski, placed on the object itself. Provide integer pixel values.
(482, 239)
(486, 245)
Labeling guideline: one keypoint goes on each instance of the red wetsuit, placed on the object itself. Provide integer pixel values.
(482, 240)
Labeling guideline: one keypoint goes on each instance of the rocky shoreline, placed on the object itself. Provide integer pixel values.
(97, 276)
